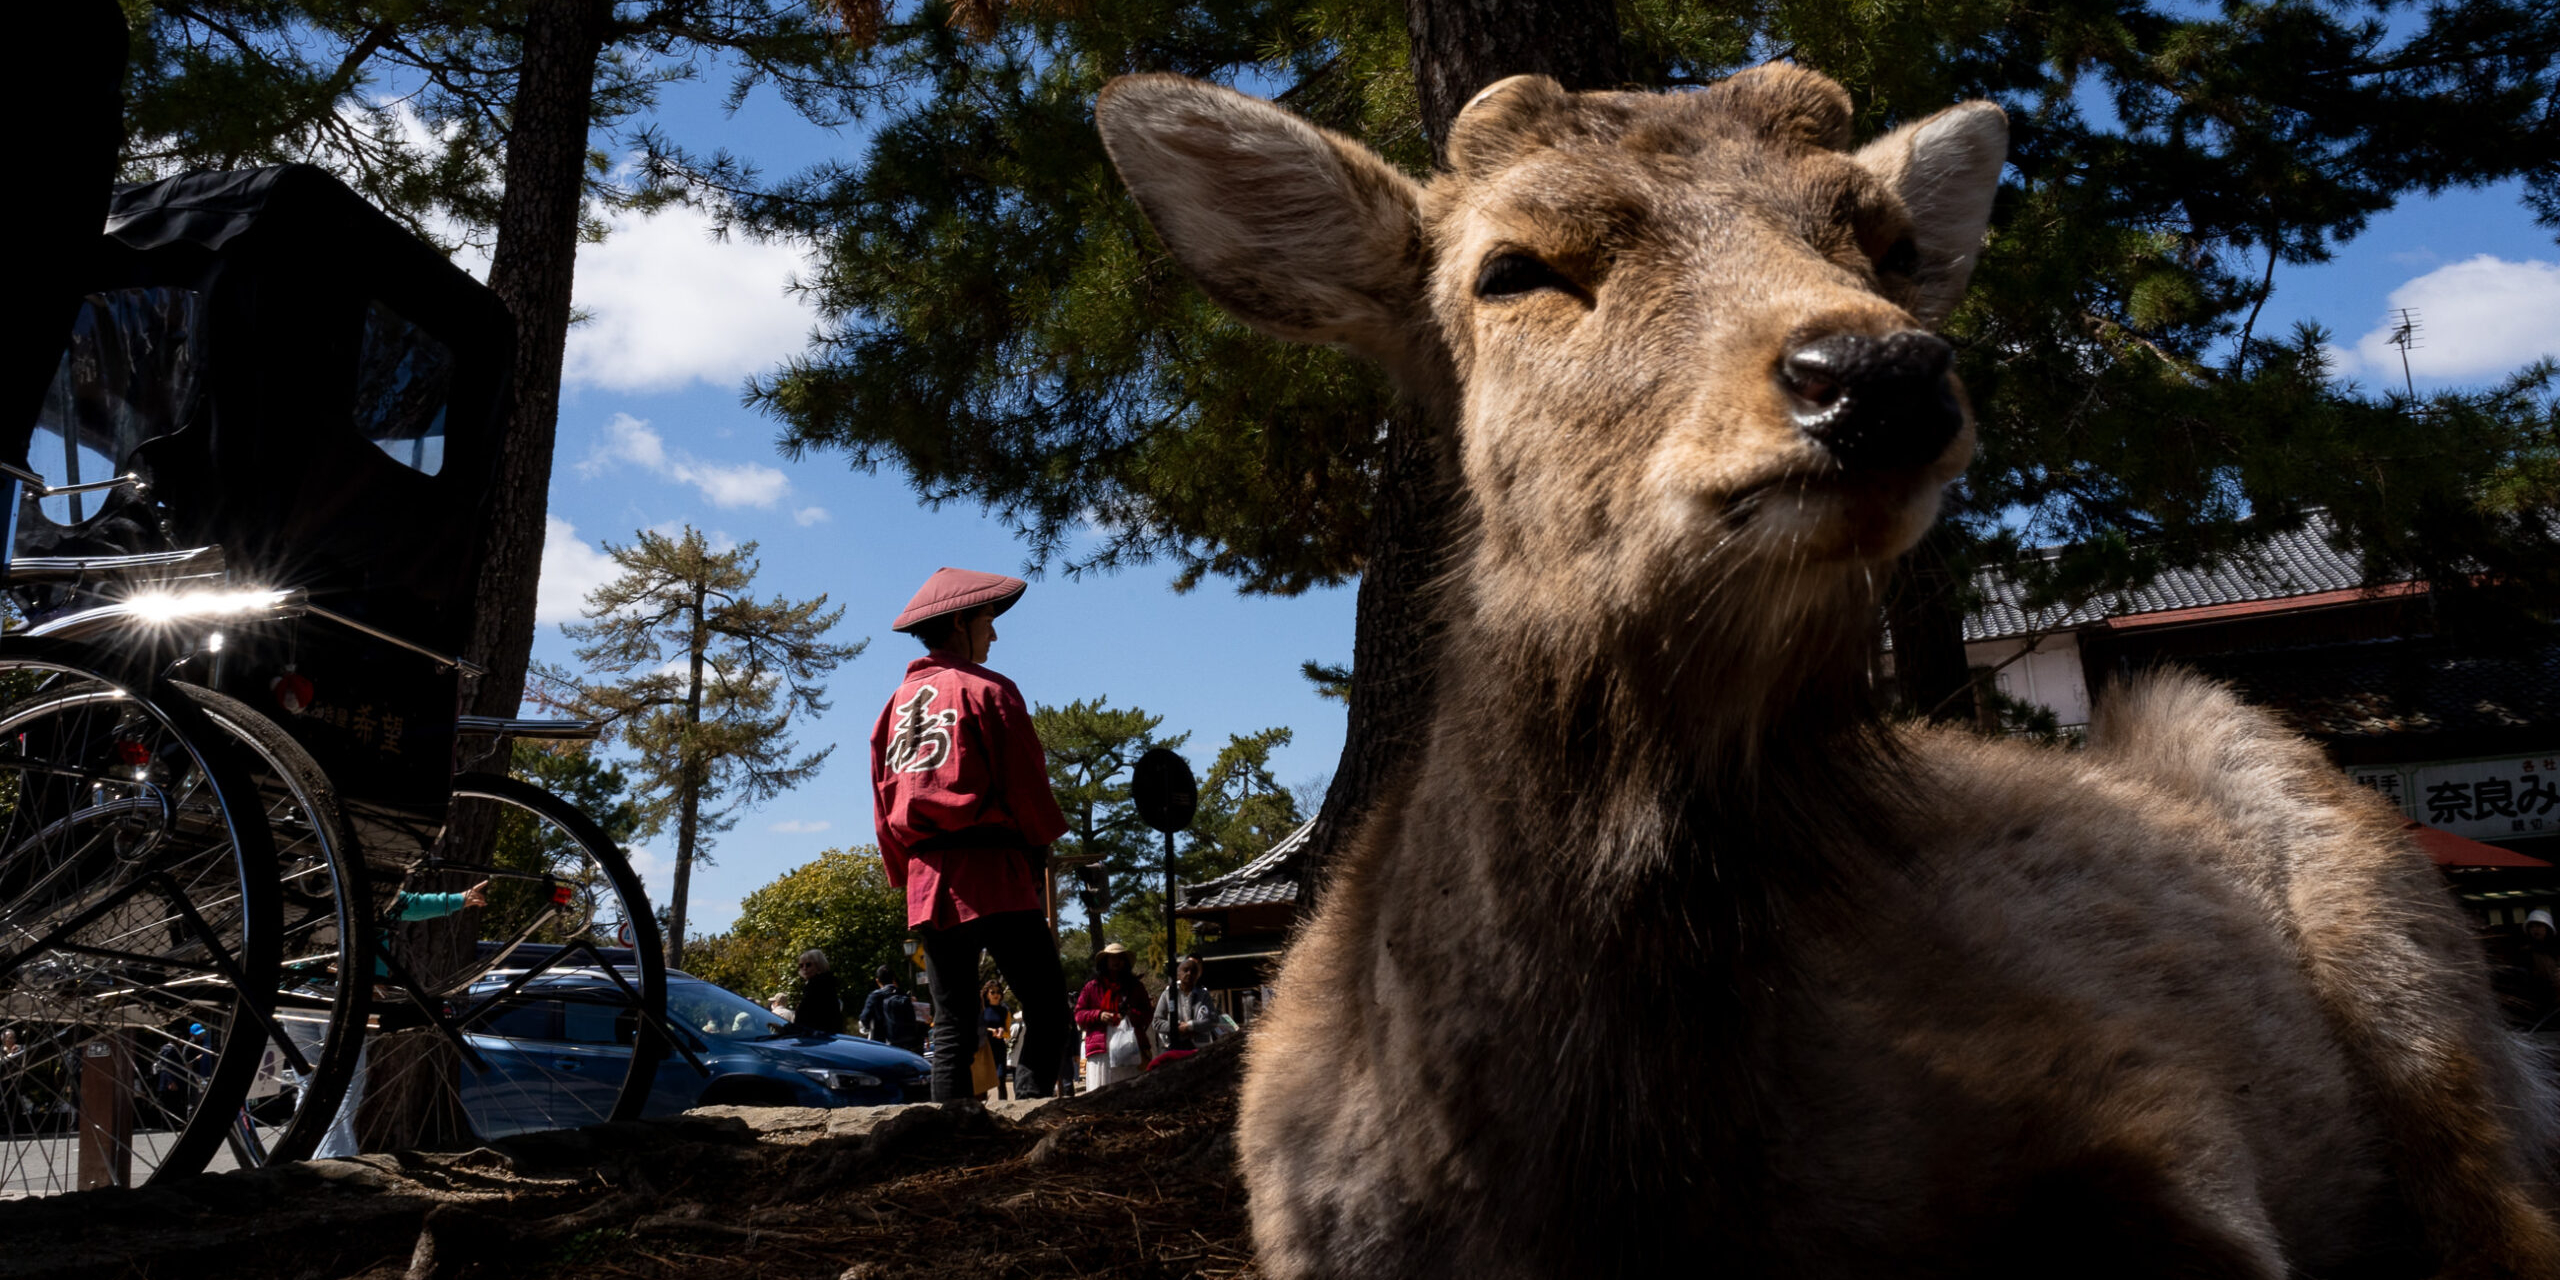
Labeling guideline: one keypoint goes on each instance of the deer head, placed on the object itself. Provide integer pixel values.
(1682, 336)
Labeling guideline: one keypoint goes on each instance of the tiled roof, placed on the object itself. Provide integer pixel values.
(2299, 563)
(2370, 689)
(1269, 879)
(1275, 891)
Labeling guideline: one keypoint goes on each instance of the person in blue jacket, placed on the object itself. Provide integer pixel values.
(405, 907)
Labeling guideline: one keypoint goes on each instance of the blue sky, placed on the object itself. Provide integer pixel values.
(652, 435)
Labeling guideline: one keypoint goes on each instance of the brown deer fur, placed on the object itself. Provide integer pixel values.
(1672, 955)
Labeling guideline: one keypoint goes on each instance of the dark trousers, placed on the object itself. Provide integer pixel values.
(1028, 958)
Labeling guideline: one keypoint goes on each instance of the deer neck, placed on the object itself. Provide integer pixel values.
(1733, 762)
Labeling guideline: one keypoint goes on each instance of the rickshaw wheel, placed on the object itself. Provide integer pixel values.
(326, 909)
(138, 926)
(557, 1038)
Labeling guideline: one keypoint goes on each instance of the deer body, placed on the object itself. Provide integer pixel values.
(1669, 954)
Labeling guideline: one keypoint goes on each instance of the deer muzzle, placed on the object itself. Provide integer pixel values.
(1874, 404)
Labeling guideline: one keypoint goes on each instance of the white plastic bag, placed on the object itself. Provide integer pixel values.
(1124, 1045)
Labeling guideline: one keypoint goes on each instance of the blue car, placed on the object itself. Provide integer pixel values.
(556, 1053)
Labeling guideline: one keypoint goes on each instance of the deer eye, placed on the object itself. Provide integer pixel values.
(1508, 274)
(1903, 259)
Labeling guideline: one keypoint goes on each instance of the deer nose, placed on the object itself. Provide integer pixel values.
(1879, 404)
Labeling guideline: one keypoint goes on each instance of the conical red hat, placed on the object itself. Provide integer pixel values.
(951, 590)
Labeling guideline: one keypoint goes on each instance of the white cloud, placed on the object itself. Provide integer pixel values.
(570, 569)
(2484, 316)
(630, 441)
(797, 826)
(743, 484)
(668, 305)
(807, 516)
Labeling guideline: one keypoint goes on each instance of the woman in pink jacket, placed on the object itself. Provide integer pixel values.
(1113, 997)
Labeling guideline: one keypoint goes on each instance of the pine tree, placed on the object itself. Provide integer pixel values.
(840, 903)
(703, 680)
(1091, 747)
(1244, 810)
(575, 773)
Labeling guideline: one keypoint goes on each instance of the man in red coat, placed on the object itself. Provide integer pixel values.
(961, 801)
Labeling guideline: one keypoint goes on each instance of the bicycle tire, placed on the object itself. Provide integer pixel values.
(522, 1073)
(137, 897)
(326, 923)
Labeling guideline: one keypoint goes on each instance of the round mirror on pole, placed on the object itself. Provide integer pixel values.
(1167, 799)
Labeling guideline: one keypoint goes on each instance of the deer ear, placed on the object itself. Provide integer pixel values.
(1296, 231)
(1946, 169)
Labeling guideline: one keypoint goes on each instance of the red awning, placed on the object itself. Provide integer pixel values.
(2450, 850)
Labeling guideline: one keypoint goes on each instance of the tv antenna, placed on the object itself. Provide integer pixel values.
(2404, 335)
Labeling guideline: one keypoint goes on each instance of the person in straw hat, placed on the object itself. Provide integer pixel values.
(961, 802)
(1113, 997)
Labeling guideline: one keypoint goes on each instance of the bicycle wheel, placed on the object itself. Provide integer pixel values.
(558, 1020)
(138, 927)
(326, 926)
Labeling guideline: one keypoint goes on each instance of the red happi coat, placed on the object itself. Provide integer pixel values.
(959, 788)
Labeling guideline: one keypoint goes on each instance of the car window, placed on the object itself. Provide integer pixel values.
(719, 1013)
(596, 1023)
(522, 1020)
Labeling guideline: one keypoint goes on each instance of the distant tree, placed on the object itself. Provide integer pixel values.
(579, 774)
(575, 773)
(703, 681)
(841, 903)
(1243, 812)
(1243, 809)
(1091, 747)
(1075, 954)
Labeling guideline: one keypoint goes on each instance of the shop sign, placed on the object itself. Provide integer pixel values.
(2503, 798)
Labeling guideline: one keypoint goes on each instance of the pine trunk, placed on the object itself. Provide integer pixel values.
(1396, 630)
(689, 816)
(412, 1102)
(532, 271)
(1926, 616)
(1458, 47)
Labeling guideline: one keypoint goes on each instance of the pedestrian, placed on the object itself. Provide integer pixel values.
(888, 1016)
(2542, 960)
(1187, 1015)
(1113, 998)
(821, 1011)
(13, 1063)
(963, 812)
(340, 1140)
(1013, 1054)
(995, 1017)
(781, 1006)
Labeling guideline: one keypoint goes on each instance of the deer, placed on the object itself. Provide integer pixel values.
(1670, 949)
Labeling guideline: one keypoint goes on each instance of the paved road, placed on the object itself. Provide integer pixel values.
(47, 1166)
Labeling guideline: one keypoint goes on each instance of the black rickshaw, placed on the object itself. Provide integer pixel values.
(244, 543)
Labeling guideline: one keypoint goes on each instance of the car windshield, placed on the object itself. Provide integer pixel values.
(720, 1013)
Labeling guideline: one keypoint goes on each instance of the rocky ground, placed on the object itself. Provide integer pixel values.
(1133, 1180)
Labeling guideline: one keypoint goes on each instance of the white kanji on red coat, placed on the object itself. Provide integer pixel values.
(923, 736)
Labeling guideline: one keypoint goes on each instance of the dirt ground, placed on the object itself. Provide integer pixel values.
(1133, 1180)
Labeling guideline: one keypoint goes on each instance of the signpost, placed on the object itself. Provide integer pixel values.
(1167, 799)
(106, 1112)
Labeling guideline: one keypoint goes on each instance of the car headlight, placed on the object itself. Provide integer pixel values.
(834, 1079)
